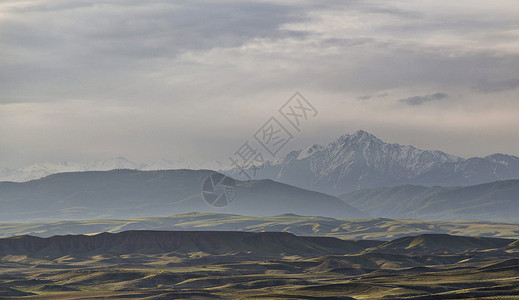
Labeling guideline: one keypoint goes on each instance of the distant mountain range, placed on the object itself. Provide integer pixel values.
(36, 171)
(496, 201)
(361, 160)
(133, 193)
(356, 166)
(351, 162)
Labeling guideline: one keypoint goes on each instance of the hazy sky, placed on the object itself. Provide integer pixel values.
(87, 80)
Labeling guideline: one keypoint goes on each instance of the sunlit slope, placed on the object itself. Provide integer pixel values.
(381, 229)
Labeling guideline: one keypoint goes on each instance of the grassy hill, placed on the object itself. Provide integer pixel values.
(263, 244)
(378, 229)
(497, 201)
(444, 242)
(241, 265)
(255, 244)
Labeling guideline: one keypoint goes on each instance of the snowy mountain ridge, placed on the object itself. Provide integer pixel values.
(361, 160)
(351, 162)
(39, 170)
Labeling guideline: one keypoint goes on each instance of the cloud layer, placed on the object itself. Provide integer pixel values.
(419, 100)
(161, 79)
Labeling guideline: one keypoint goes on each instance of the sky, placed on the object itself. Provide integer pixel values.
(193, 80)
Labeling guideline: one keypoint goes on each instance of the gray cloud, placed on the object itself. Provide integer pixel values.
(85, 48)
(94, 79)
(365, 97)
(419, 100)
(486, 86)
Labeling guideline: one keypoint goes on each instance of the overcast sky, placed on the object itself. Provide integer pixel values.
(87, 79)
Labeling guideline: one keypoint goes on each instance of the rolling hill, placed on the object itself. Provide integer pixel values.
(263, 244)
(257, 244)
(496, 201)
(351, 229)
(443, 242)
(133, 193)
(244, 265)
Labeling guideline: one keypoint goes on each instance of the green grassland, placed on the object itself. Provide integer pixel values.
(351, 229)
(279, 266)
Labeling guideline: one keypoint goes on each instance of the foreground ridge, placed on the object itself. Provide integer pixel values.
(246, 265)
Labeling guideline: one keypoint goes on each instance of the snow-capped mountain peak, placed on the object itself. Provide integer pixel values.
(309, 151)
(362, 160)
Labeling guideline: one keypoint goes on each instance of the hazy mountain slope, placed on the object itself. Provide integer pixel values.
(472, 171)
(375, 229)
(132, 193)
(361, 160)
(497, 201)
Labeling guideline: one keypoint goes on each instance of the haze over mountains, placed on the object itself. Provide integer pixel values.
(496, 201)
(351, 162)
(361, 160)
(345, 166)
(133, 193)
(39, 170)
